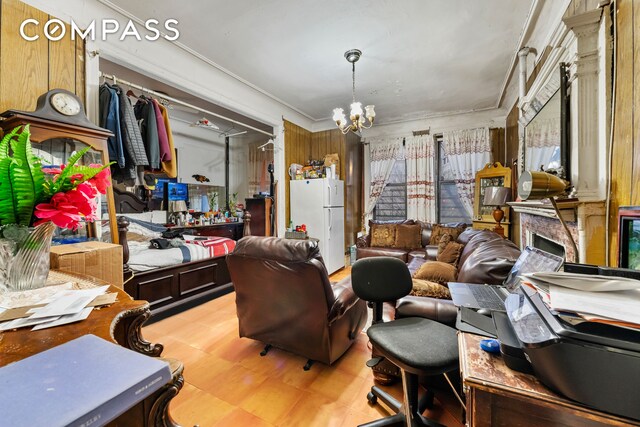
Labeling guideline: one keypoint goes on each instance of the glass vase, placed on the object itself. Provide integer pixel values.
(30, 266)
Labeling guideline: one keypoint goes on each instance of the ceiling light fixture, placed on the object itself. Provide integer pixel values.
(356, 115)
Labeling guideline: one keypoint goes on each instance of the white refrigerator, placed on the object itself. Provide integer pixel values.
(319, 204)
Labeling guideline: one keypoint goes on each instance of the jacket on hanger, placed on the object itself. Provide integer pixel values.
(109, 103)
(169, 167)
(163, 139)
(146, 115)
(131, 137)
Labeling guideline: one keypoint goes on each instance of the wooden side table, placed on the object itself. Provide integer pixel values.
(121, 323)
(498, 396)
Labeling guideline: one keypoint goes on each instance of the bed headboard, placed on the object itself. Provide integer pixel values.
(127, 202)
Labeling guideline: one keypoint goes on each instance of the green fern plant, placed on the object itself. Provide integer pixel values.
(21, 178)
(63, 182)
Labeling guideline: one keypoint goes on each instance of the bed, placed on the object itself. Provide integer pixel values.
(177, 277)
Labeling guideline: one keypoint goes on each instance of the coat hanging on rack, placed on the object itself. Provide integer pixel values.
(170, 167)
(146, 115)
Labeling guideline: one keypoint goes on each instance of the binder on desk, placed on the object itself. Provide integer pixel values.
(87, 381)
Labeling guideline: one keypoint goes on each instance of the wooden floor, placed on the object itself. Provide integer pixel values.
(227, 382)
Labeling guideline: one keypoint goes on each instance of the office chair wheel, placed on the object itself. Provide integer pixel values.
(372, 398)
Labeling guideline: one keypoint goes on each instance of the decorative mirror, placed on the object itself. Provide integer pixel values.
(492, 175)
(546, 125)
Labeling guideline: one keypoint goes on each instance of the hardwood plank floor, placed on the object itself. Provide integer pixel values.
(228, 383)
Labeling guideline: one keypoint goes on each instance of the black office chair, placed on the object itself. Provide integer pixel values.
(416, 345)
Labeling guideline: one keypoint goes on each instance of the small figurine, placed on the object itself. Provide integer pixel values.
(201, 178)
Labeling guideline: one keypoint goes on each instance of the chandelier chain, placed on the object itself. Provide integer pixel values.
(353, 80)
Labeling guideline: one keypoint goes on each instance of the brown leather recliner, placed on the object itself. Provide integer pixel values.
(284, 298)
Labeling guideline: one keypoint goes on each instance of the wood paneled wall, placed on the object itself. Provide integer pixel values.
(297, 149)
(625, 172)
(302, 146)
(497, 138)
(30, 68)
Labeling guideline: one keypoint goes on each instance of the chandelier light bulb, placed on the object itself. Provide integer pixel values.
(356, 111)
(370, 112)
(338, 116)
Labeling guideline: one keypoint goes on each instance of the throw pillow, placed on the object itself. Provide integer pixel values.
(408, 237)
(444, 241)
(438, 230)
(383, 235)
(436, 271)
(451, 253)
(425, 288)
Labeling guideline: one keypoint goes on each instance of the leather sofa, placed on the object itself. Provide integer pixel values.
(426, 251)
(486, 258)
(284, 298)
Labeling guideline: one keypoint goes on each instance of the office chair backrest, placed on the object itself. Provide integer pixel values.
(380, 279)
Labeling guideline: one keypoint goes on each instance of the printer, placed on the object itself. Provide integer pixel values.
(592, 363)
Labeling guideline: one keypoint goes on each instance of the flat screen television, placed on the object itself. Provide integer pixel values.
(177, 191)
(629, 237)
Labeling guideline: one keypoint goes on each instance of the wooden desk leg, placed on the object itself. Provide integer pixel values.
(159, 414)
(127, 331)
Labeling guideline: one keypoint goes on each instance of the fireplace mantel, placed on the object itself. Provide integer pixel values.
(586, 222)
(544, 208)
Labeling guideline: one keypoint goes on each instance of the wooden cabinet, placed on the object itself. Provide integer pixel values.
(492, 175)
(261, 218)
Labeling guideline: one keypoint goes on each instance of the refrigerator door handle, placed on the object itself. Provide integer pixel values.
(330, 222)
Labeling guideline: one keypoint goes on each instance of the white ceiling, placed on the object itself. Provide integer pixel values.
(420, 57)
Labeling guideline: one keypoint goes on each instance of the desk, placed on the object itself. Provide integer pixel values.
(121, 323)
(498, 396)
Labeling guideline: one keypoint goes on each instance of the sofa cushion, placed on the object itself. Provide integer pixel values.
(372, 251)
(408, 236)
(426, 288)
(383, 235)
(438, 230)
(418, 253)
(425, 229)
(490, 263)
(475, 240)
(450, 253)
(435, 271)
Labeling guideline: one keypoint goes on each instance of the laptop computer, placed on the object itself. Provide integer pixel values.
(489, 297)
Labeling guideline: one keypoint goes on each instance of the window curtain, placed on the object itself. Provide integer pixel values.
(420, 157)
(383, 152)
(542, 144)
(258, 162)
(468, 151)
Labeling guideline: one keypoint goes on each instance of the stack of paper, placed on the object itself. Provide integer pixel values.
(606, 299)
(65, 306)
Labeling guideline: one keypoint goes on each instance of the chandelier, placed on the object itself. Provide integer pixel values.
(356, 115)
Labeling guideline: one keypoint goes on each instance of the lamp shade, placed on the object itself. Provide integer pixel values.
(540, 185)
(496, 196)
(180, 206)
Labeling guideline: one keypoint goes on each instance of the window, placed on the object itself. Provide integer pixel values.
(450, 208)
(392, 204)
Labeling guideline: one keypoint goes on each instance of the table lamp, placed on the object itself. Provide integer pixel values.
(498, 197)
(543, 185)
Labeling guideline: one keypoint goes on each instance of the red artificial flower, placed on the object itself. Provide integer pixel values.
(102, 180)
(67, 209)
(76, 177)
(52, 171)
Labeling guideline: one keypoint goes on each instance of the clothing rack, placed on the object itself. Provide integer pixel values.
(184, 104)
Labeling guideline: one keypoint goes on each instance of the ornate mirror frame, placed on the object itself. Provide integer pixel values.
(558, 80)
